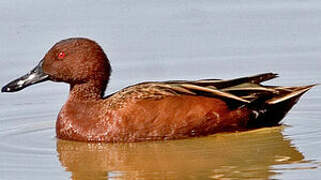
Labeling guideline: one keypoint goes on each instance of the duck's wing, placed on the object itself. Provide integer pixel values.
(235, 92)
(220, 84)
(240, 89)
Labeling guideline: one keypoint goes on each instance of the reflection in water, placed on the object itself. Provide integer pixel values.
(235, 155)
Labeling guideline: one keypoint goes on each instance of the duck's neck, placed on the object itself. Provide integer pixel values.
(91, 90)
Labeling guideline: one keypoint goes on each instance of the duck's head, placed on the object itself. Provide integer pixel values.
(74, 61)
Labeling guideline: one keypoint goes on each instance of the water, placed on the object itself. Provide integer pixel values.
(160, 40)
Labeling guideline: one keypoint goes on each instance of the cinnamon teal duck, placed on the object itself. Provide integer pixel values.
(152, 110)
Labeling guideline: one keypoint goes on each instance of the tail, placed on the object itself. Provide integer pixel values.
(272, 111)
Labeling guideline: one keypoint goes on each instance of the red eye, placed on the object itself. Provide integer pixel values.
(61, 55)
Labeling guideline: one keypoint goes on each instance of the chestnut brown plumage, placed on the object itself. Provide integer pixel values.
(152, 110)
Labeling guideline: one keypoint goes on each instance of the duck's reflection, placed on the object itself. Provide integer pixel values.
(235, 155)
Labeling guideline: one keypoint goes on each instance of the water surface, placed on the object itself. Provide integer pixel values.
(160, 40)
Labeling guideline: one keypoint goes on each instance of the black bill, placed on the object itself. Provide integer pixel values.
(36, 75)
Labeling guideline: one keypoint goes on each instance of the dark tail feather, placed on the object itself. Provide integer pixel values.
(296, 92)
(256, 79)
(220, 84)
(272, 111)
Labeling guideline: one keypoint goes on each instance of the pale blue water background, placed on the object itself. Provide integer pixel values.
(160, 40)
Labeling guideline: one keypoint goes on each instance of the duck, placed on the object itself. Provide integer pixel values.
(154, 110)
